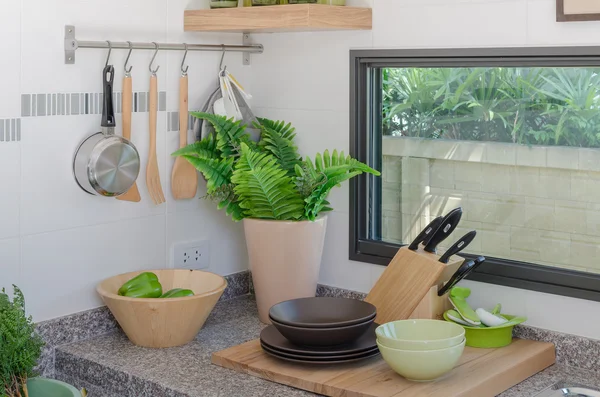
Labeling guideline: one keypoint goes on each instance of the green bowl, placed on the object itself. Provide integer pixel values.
(489, 337)
(42, 387)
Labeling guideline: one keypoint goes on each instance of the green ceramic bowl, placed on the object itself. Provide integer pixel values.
(420, 334)
(42, 387)
(489, 337)
(422, 366)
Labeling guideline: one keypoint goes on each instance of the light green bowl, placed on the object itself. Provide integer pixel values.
(420, 334)
(490, 337)
(422, 366)
(42, 387)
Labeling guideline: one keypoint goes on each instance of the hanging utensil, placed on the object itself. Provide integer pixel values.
(184, 180)
(132, 194)
(426, 233)
(106, 164)
(152, 173)
(449, 223)
(458, 246)
(463, 271)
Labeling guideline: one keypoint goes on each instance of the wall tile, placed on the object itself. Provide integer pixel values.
(60, 270)
(10, 263)
(10, 48)
(10, 171)
(51, 199)
(542, 28)
(227, 242)
(430, 25)
(337, 270)
(42, 33)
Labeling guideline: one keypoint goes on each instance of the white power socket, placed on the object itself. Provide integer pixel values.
(192, 255)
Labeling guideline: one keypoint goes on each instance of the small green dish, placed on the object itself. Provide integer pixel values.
(491, 337)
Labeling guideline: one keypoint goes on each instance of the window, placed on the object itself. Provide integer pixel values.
(510, 135)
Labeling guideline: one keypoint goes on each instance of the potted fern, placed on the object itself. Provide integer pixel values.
(281, 198)
(20, 349)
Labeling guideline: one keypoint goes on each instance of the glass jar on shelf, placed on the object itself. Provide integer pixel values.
(223, 3)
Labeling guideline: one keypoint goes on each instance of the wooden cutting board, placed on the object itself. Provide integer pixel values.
(480, 373)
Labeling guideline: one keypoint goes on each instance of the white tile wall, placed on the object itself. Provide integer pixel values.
(56, 241)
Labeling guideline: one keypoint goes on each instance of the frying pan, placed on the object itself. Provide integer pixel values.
(106, 164)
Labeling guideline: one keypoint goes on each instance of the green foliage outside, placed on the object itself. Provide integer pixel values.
(267, 179)
(532, 106)
(20, 345)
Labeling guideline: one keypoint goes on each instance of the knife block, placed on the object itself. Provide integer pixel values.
(408, 286)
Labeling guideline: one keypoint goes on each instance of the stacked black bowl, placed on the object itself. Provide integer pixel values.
(321, 330)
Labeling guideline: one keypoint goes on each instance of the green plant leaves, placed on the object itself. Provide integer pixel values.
(268, 179)
(264, 189)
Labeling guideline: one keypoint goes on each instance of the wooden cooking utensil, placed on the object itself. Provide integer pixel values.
(184, 180)
(132, 194)
(407, 279)
(152, 173)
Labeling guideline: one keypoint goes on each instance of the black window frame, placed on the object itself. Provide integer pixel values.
(363, 84)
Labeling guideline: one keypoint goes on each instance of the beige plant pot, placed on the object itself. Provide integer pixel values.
(285, 259)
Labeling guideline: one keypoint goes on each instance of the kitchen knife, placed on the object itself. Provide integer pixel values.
(447, 226)
(426, 233)
(463, 271)
(458, 246)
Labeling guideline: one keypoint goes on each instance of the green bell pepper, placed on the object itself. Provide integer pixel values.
(145, 285)
(178, 293)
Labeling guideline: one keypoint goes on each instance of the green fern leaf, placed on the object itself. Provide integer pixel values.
(282, 148)
(205, 149)
(284, 130)
(217, 172)
(264, 189)
(229, 133)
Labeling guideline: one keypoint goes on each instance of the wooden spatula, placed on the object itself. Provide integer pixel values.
(132, 194)
(152, 173)
(184, 180)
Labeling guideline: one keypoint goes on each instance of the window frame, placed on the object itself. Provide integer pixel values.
(363, 247)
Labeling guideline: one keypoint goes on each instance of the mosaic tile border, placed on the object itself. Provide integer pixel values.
(10, 130)
(173, 122)
(74, 104)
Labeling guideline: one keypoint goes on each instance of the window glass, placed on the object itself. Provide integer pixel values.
(517, 148)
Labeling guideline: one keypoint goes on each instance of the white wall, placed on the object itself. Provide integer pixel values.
(57, 242)
(303, 78)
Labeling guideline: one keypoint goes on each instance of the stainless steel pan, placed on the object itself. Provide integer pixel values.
(106, 164)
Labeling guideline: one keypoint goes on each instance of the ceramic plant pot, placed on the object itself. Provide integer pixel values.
(42, 387)
(285, 259)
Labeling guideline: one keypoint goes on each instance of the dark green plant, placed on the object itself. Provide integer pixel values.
(266, 179)
(532, 106)
(20, 345)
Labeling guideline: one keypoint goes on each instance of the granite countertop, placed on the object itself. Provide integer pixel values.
(111, 366)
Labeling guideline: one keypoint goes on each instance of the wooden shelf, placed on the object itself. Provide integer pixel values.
(281, 18)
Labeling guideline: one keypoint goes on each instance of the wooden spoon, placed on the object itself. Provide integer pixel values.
(132, 194)
(184, 180)
(152, 174)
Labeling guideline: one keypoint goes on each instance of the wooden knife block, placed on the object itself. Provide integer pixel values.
(408, 287)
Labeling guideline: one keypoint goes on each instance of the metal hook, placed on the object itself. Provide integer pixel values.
(184, 70)
(128, 71)
(109, 51)
(153, 58)
(222, 57)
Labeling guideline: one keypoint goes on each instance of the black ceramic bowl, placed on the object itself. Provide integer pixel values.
(323, 336)
(322, 312)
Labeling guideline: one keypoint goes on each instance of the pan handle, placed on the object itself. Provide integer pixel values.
(108, 111)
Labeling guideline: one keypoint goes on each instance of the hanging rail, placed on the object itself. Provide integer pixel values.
(72, 44)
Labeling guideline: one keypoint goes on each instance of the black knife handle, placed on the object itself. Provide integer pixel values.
(464, 269)
(458, 246)
(444, 230)
(425, 233)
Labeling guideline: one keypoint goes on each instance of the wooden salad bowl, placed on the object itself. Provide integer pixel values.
(160, 323)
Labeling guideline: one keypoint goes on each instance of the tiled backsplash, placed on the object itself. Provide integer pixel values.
(71, 104)
(10, 130)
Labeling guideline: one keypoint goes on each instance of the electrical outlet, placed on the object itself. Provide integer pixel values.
(192, 255)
